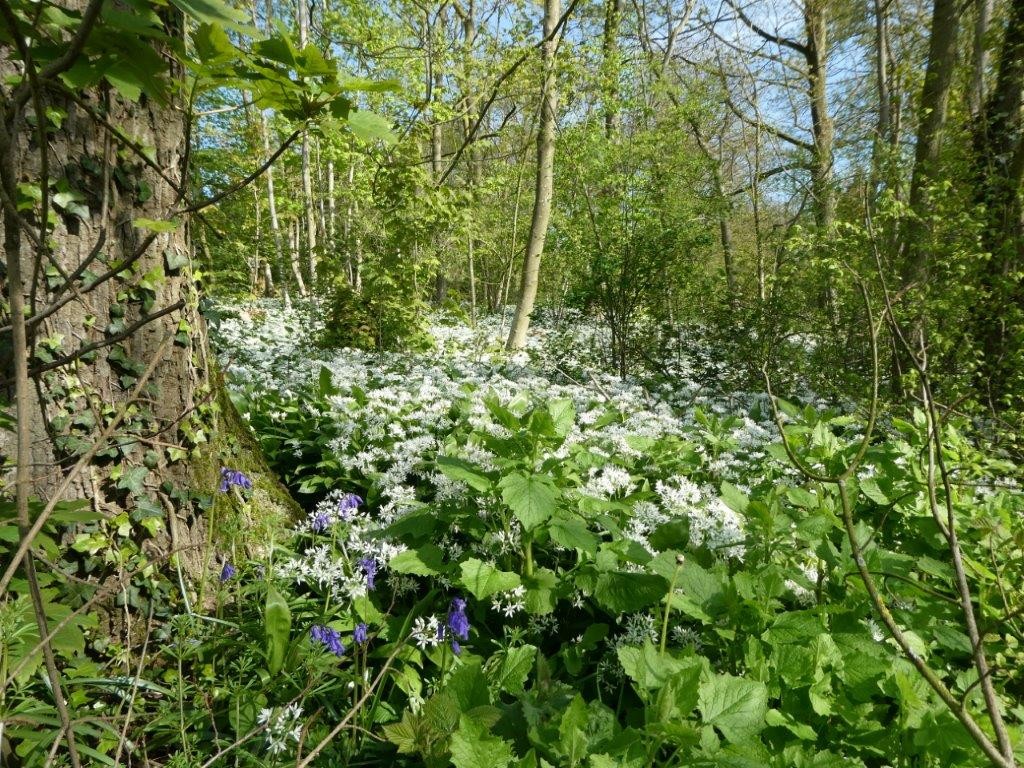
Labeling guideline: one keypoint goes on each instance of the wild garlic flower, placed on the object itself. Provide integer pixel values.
(510, 602)
(283, 728)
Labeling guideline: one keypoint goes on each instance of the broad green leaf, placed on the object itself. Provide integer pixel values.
(369, 126)
(511, 668)
(472, 746)
(277, 627)
(572, 731)
(459, 469)
(649, 669)
(483, 579)
(621, 591)
(428, 560)
(532, 498)
(572, 533)
(734, 705)
(563, 415)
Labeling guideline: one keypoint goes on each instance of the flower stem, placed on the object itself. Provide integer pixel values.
(668, 605)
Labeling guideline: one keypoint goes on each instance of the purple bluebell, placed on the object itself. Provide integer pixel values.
(321, 521)
(456, 648)
(360, 633)
(458, 622)
(347, 504)
(369, 566)
(327, 637)
(227, 572)
(230, 477)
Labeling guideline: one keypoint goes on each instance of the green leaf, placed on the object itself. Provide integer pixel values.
(572, 731)
(649, 669)
(512, 668)
(369, 126)
(734, 498)
(216, 12)
(621, 591)
(532, 498)
(472, 746)
(734, 705)
(277, 627)
(428, 560)
(572, 533)
(154, 225)
(869, 487)
(483, 580)
(459, 469)
(563, 415)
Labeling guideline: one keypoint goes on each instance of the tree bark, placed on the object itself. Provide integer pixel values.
(544, 183)
(999, 174)
(938, 79)
(308, 203)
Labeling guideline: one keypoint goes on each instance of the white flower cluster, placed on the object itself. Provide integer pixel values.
(282, 727)
(426, 632)
(510, 602)
(713, 523)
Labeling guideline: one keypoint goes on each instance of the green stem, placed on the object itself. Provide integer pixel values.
(668, 604)
(528, 553)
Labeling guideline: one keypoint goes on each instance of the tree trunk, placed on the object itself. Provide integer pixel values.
(544, 184)
(308, 204)
(610, 45)
(117, 347)
(980, 57)
(938, 79)
(821, 123)
(999, 173)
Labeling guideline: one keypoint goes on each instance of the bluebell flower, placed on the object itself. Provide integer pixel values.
(369, 566)
(348, 503)
(456, 648)
(327, 637)
(227, 572)
(359, 634)
(321, 521)
(229, 477)
(458, 622)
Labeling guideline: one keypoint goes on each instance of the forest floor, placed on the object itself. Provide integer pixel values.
(525, 558)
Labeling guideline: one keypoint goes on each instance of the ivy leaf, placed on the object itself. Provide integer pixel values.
(473, 746)
(132, 480)
(734, 705)
(483, 580)
(532, 498)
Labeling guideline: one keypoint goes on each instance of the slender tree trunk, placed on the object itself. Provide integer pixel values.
(296, 255)
(610, 45)
(331, 208)
(822, 128)
(544, 183)
(308, 203)
(880, 145)
(980, 57)
(275, 225)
